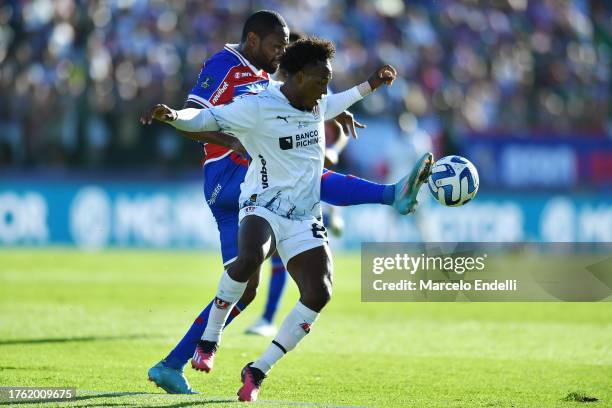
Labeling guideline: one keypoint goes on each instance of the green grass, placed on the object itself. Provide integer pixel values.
(97, 322)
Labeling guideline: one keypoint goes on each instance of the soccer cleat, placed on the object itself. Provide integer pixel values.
(251, 379)
(204, 357)
(407, 188)
(171, 380)
(262, 327)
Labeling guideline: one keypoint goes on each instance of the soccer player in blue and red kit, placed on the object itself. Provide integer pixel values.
(237, 70)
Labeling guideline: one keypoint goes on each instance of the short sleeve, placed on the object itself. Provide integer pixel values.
(210, 88)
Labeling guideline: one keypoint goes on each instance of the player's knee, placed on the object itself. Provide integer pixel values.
(317, 296)
(247, 263)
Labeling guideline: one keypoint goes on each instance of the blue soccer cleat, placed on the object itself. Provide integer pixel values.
(407, 188)
(171, 380)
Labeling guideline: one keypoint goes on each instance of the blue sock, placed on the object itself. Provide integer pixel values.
(277, 286)
(342, 190)
(184, 350)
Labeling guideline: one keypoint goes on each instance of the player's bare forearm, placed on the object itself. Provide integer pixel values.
(217, 138)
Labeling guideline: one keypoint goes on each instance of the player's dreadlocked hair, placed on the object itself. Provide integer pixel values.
(262, 23)
(305, 52)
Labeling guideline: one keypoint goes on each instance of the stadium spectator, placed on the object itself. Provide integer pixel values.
(74, 74)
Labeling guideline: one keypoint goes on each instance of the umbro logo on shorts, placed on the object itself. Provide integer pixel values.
(286, 143)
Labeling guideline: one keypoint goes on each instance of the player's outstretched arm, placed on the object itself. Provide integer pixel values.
(339, 102)
(188, 120)
(216, 138)
(238, 117)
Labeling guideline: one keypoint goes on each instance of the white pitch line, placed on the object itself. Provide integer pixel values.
(83, 393)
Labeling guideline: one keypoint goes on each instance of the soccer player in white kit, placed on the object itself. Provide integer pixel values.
(282, 130)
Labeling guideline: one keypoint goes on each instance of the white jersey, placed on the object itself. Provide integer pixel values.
(286, 145)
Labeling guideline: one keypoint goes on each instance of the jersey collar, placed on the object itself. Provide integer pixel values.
(233, 48)
(274, 88)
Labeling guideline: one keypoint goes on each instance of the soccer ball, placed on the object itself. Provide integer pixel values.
(453, 181)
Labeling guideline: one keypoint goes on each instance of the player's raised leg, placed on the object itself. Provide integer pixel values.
(344, 190)
(312, 271)
(256, 242)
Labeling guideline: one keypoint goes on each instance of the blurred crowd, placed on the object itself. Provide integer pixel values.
(75, 74)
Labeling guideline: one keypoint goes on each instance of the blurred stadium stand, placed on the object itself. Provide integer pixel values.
(522, 88)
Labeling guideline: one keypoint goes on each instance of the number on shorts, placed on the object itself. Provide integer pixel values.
(319, 231)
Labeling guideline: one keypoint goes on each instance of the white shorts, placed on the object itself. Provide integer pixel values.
(292, 236)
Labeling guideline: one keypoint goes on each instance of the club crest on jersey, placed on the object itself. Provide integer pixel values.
(306, 327)
(206, 81)
(249, 209)
(286, 143)
(221, 304)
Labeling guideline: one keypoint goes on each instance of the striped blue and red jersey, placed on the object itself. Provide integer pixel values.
(223, 76)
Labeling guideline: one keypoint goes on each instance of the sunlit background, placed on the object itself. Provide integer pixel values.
(521, 88)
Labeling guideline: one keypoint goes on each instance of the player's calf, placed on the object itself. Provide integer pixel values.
(251, 289)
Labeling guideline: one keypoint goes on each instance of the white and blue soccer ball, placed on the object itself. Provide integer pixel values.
(453, 181)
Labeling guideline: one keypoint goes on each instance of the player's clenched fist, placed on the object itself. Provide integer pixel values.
(160, 112)
(384, 75)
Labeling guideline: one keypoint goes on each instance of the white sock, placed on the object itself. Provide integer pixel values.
(294, 328)
(228, 294)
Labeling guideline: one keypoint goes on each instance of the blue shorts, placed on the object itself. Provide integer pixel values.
(222, 179)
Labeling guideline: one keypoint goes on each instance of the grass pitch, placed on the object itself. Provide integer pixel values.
(97, 322)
